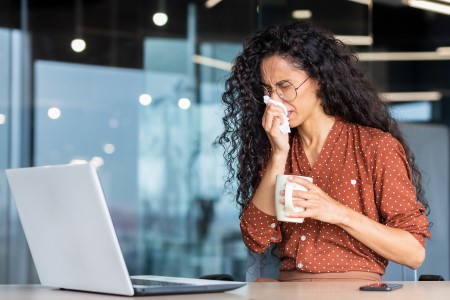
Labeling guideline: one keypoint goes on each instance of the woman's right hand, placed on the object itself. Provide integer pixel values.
(271, 121)
(263, 197)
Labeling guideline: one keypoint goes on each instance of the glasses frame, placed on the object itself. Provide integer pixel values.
(269, 93)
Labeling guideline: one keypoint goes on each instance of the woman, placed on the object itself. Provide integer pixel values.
(365, 206)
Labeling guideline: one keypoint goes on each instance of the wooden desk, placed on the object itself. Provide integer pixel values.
(424, 290)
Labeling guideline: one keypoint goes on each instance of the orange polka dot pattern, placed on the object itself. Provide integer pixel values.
(361, 167)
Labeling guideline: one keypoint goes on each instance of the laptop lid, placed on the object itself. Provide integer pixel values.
(71, 236)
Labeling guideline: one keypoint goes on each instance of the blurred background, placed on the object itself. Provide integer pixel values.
(134, 86)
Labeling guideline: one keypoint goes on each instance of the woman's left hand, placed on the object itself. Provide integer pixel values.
(318, 205)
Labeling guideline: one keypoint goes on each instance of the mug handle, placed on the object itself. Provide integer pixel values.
(288, 204)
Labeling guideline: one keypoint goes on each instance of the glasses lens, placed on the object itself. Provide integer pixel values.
(286, 91)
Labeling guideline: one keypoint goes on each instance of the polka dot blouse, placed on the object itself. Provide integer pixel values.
(361, 167)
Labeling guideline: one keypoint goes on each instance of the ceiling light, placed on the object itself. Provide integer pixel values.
(78, 45)
(212, 3)
(109, 148)
(365, 2)
(443, 51)
(54, 113)
(440, 54)
(184, 103)
(360, 40)
(412, 96)
(145, 99)
(402, 56)
(97, 161)
(160, 19)
(211, 62)
(301, 14)
(428, 5)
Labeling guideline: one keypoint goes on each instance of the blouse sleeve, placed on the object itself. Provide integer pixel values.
(395, 194)
(259, 229)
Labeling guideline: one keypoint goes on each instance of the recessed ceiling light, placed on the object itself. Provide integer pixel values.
(428, 5)
(78, 45)
(443, 50)
(402, 56)
(365, 2)
(301, 14)
(413, 96)
(160, 19)
(212, 3)
(360, 40)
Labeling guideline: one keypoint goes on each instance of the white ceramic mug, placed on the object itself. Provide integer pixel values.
(282, 183)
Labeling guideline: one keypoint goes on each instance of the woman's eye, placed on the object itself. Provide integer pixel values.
(284, 85)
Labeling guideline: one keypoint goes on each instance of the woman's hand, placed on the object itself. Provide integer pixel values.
(318, 205)
(271, 121)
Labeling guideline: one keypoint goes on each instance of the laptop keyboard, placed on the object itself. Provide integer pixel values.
(155, 283)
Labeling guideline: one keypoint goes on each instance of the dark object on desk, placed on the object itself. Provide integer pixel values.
(427, 277)
(381, 287)
(223, 277)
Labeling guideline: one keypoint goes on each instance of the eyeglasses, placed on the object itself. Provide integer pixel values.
(284, 89)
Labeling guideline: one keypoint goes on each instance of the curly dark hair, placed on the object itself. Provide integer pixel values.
(344, 90)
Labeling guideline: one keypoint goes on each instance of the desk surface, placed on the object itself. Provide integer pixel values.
(256, 290)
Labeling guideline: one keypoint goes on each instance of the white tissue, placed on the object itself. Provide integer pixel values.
(284, 127)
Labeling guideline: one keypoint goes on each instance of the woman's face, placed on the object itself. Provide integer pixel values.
(305, 105)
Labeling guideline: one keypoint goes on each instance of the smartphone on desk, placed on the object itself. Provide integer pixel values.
(381, 286)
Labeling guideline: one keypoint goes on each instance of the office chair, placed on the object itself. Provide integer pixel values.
(428, 277)
(262, 265)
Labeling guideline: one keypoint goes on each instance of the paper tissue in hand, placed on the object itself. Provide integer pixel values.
(284, 127)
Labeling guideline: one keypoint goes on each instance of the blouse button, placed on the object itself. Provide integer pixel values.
(272, 225)
(300, 265)
(303, 238)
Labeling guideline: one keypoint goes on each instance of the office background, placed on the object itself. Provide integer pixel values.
(108, 81)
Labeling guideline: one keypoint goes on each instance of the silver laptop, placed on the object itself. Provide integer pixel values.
(72, 240)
